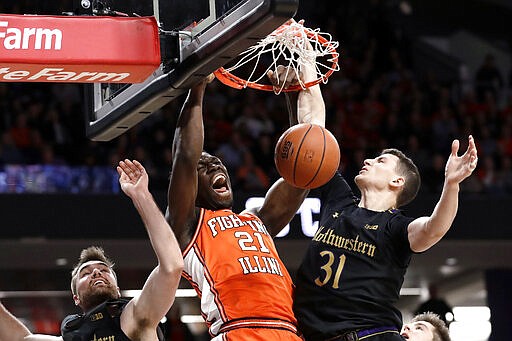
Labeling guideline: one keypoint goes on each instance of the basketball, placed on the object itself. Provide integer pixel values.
(307, 155)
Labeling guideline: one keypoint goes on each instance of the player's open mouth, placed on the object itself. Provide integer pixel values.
(220, 184)
(99, 282)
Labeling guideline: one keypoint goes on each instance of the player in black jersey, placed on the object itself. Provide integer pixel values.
(426, 327)
(351, 275)
(94, 282)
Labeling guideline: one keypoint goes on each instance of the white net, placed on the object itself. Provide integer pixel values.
(293, 46)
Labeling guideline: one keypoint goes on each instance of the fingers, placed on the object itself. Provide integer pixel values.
(472, 145)
(473, 162)
(272, 77)
(473, 156)
(132, 169)
(119, 171)
(201, 85)
(469, 159)
(139, 166)
(471, 140)
(455, 147)
(210, 78)
(283, 77)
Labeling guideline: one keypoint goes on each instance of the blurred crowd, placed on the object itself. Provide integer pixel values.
(375, 101)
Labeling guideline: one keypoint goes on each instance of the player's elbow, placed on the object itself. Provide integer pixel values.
(175, 268)
(171, 268)
(429, 238)
(424, 233)
(435, 229)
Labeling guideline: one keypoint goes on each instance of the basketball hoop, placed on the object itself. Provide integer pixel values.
(291, 45)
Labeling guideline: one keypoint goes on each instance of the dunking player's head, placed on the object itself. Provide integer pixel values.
(213, 184)
(391, 170)
(93, 281)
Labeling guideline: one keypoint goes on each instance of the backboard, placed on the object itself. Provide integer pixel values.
(196, 38)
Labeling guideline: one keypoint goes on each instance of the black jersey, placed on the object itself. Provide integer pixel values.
(101, 323)
(354, 267)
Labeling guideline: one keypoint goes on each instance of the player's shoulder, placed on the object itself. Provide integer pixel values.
(250, 212)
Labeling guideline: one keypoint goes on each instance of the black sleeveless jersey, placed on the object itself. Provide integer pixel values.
(99, 324)
(351, 275)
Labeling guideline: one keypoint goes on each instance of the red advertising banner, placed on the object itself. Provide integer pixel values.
(81, 49)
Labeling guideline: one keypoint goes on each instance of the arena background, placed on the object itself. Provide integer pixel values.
(411, 78)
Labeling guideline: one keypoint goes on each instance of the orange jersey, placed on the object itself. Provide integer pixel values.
(233, 264)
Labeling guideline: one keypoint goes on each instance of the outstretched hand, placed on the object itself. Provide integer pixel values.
(201, 85)
(459, 168)
(283, 78)
(209, 78)
(132, 177)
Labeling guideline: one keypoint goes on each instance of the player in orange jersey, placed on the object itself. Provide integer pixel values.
(230, 258)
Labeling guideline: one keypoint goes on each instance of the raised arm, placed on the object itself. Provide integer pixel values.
(424, 232)
(310, 103)
(283, 200)
(143, 313)
(11, 329)
(187, 148)
(305, 106)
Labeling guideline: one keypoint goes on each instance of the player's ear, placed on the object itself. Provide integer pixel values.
(76, 299)
(397, 182)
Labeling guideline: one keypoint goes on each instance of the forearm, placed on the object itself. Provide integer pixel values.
(445, 211)
(291, 105)
(274, 215)
(157, 295)
(161, 236)
(11, 329)
(159, 291)
(42, 337)
(187, 149)
(189, 134)
(311, 106)
(425, 232)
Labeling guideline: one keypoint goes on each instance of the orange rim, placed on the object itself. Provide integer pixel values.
(229, 79)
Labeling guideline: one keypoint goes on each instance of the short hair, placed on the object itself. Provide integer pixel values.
(441, 331)
(409, 171)
(91, 253)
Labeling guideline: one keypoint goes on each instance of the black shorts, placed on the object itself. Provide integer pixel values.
(383, 337)
(376, 334)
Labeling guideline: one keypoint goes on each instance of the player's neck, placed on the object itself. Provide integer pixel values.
(377, 201)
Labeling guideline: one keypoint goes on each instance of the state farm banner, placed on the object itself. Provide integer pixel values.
(78, 49)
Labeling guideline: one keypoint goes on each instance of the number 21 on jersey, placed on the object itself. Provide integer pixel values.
(256, 263)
